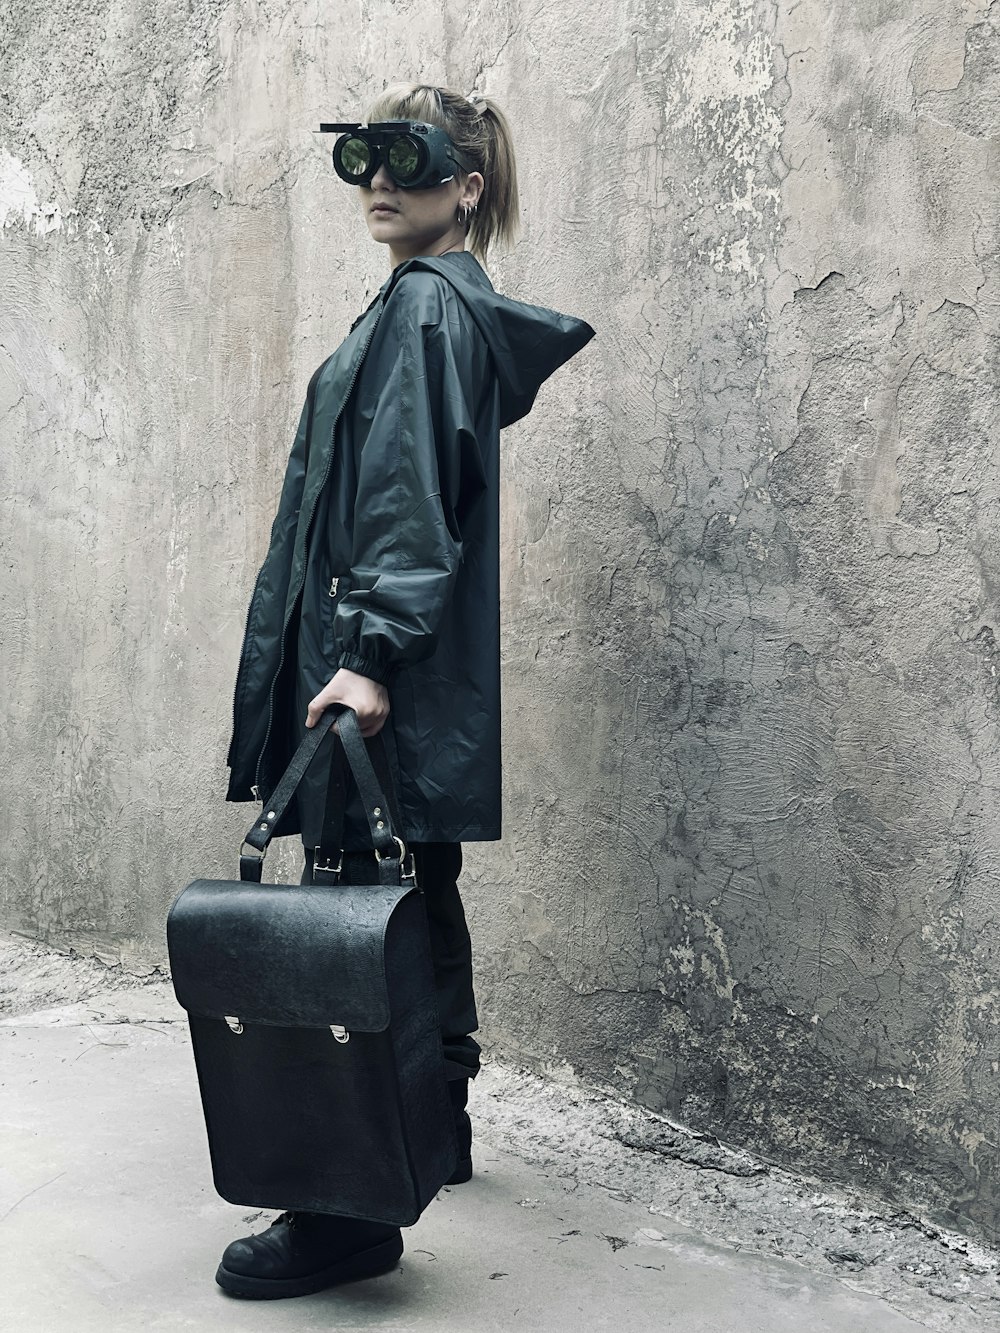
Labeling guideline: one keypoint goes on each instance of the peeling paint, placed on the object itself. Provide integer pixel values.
(19, 203)
(723, 102)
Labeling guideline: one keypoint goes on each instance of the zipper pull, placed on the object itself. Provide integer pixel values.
(333, 587)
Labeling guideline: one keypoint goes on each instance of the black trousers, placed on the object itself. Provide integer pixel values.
(438, 866)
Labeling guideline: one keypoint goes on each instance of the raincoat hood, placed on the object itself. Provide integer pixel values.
(527, 342)
(384, 557)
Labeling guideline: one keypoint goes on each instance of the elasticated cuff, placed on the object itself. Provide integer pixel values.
(364, 666)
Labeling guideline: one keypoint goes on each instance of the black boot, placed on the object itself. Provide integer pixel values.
(301, 1253)
(458, 1091)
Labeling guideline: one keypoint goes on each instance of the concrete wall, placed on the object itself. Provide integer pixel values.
(750, 540)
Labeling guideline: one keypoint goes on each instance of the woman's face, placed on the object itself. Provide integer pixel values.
(418, 222)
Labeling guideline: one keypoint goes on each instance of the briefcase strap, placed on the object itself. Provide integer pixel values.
(389, 847)
(329, 845)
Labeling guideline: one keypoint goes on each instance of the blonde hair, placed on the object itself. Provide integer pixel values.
(479, 130)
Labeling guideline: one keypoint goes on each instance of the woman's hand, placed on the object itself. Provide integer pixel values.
(368, 698)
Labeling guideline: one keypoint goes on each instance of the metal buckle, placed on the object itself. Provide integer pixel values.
(340, 1034)
(403, 854)
(255, 850)
(402, 851)
(234, 1024)
(325, 866)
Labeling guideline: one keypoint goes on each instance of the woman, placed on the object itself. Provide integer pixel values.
(380, 590)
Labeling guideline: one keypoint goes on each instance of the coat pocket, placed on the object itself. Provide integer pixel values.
(334, 593)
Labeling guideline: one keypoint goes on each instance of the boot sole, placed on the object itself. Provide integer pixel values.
(368, 1263)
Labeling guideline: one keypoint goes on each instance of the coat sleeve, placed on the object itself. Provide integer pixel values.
(420, 471)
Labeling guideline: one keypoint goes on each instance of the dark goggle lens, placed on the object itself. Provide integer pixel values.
(355, 157)
(403, 158)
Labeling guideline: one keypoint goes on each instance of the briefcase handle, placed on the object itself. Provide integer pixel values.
(389, 846)
(326, 834)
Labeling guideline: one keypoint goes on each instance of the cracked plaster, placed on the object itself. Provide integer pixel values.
(750, 660)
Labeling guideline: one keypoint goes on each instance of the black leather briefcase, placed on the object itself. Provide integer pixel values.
(314, 1019)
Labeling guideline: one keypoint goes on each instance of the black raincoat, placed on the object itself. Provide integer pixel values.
(384, 554)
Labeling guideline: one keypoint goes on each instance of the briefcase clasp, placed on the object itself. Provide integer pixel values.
(340, 1033)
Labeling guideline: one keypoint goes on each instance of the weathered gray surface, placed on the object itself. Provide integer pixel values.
(579, 1216)
(749, 873)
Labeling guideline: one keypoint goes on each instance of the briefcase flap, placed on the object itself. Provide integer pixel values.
(284, 954)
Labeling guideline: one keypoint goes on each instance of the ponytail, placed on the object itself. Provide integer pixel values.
(480, 131)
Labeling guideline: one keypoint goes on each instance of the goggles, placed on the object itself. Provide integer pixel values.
(416, 155)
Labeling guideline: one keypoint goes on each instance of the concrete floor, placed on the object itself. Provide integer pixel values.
(110, 1221)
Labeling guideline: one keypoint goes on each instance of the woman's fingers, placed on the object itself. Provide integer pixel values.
(368, 699)
(316, 707)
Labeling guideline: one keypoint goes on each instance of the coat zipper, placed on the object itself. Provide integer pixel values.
(298, 592)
